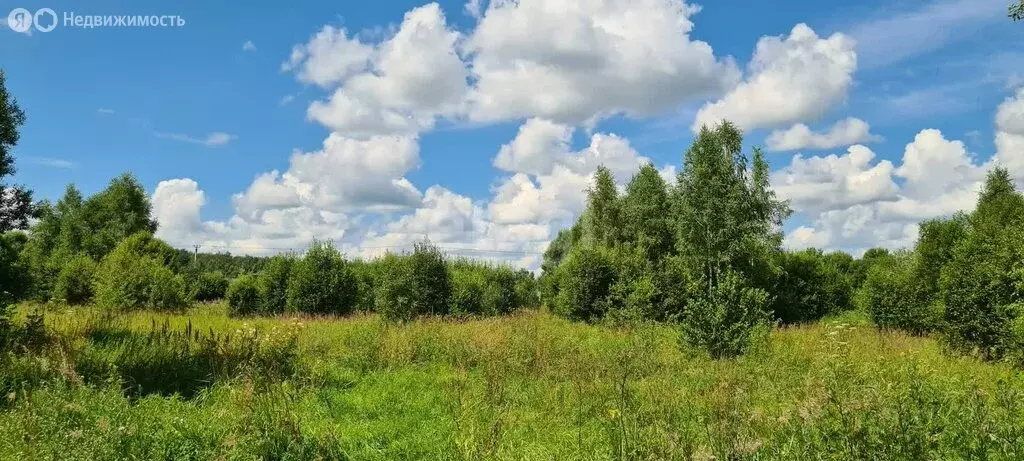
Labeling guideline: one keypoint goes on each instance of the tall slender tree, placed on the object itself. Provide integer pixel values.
(602, 214)
(729, 227)
(728, 215)
(646, 214)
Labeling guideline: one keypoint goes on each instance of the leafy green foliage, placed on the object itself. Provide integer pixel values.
(226, 263)
(811, 286)
(431, 279)
(646, 214)
(977, 284)
(660, 253)
(726, 219)
(601, 219)
(120, 210)
(74, 283)
(135, 275)
(486, 289)
(413, 285)
(725, 323)
(166, 290)
(14, 277)
(937, 239)
(635, 294)
(729, 229)
(205, 286)
(585, 279)
(243, 296)
(321, 282)
(468, 288)
(366, 276)
(394, 294)
(891, 296)
(15, 202)
(272, 282)
(556, 251)
(91, 226)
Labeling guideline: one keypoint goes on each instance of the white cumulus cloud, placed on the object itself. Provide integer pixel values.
(843, 133)
(854, 202)
(399, 86)
(797, 78)
(574, 61)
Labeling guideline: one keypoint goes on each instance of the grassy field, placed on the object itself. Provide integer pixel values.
(201, 385)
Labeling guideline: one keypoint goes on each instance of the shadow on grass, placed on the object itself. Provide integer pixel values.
(182, 362)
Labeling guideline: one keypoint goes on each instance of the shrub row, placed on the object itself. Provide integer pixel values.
(137, 273)
(399, 287)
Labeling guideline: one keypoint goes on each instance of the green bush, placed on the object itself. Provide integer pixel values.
(366, 276)
(273, 284)
(206, 285)
(1014, 344)
(394, 297)
(414, 285)
(725, 321)
(167, 290)
(123, 281)
(936, 241)
(527, 289)
(468, 286)
(978, 292)
(500, 297)
(243, 296)
(635, 294)
(485, 289)
(431, 280)
(810, 286)
(133, 276)
(14, 274)
(585, 278)
(979, 283)
(145, 244)
(891, 297)
(74, 283)
(321, 283)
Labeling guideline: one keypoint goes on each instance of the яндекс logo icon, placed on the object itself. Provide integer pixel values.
(20, 20)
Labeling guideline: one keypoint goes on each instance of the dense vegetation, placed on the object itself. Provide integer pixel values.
(202, 385)
(703, 252)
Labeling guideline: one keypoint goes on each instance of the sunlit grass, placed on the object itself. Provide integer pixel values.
(534, 386)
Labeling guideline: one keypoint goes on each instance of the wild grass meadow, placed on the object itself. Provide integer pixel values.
(201, 385)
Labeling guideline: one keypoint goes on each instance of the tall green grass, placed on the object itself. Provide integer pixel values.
(524, 386)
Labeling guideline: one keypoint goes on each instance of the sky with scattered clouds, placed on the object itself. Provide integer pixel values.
(479, 124)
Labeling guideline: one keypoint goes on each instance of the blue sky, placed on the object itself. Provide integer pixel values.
(197, 103)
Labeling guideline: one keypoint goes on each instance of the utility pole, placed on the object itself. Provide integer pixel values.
(195, 255)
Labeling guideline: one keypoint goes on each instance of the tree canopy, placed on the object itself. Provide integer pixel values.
(15, 202)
